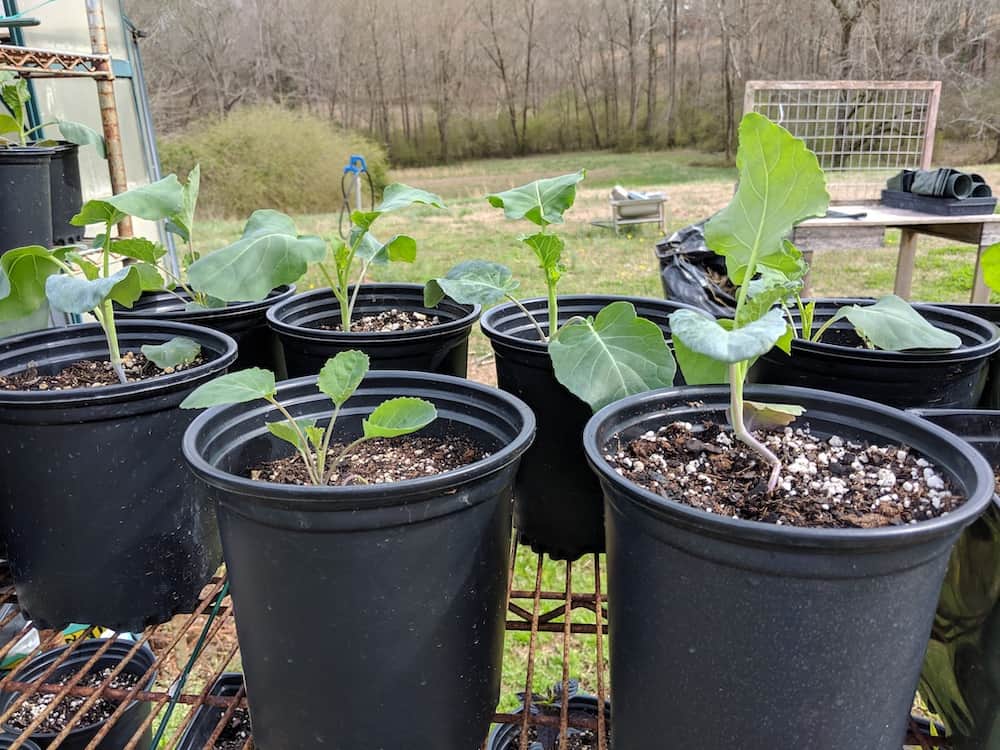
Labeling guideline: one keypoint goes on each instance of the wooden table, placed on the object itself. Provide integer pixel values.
(838, 233)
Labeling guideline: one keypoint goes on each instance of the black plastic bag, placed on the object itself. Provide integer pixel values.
(693, 274)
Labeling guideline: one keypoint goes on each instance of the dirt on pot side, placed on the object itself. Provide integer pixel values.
(825, 483)
(380, 461)
(89, 373)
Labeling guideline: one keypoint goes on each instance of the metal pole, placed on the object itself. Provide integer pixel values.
(109, 110)
(357, 192)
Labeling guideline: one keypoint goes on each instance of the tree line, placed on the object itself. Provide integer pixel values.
(440, 80)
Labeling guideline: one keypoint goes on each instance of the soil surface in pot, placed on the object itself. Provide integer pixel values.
(234, 735)
(579, 739)
(829, 483)
(66, 709)
(387, 321)
(89, 373)
(380, 461)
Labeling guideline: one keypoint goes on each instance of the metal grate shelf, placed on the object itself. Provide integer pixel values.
(535, 611)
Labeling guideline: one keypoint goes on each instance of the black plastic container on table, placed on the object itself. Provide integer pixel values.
(25, 197)
(95, 501)
(558, 507)
(404, 584)
(245, 322)
(7, 740)
(961, 675)
(66, 192)
(729, 633)
(911, 379)
(206, 718)
(135, 714)
(578, 705)
(443, 348)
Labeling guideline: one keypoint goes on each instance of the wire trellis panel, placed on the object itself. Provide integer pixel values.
(861, 131)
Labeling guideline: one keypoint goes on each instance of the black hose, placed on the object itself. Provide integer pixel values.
(345, 206)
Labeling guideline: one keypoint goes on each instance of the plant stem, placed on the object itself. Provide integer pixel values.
(324, 446)
(553, 306)
(823, 328)
(343, 453)
(532, 318)
(354, 297)
(111, 334)
(303, 441)
(736, 375)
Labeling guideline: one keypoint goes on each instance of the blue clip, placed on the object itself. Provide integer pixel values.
(357, 165)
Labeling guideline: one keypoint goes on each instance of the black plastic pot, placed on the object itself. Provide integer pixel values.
(25, 197)
(961, 675)
(404, 583)
(67, 194)
(918, 378)
(558, 508)
(579, 706)
(126, 726)
(443, 348)
(206, 718)
(991, 392)
(246, 322)
(729, 633)
(6, 740)
(95, 502)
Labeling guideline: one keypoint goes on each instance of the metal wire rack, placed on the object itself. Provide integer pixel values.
(550, 624)
(859, 130)
(556, 622)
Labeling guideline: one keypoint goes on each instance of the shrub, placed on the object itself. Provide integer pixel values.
(266, 156)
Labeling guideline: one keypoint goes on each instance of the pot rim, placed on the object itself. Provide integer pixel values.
(368, 495)
(909, 357)
(766, 533)
(362, 337)
(231, 310)
(122, 391)
(488, 321)
(84, 650)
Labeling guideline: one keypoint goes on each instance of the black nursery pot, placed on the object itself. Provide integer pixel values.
(67, 194)
(917, 378)
(961, 674)
(25, 197)
(443, 348)
(131, 719)
(558, 508)
(245, 322)
(404, 582)
(7, 740)
(207, 718)
(95, 501)
(578, 705)
(991, 392)
(729, 633)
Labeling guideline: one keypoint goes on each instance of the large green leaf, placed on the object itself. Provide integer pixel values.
(139, 248)
(893, 325)
(8, 124)
(285, 431)
(472, 282)
(23, 273)
(182, 223)
(990, 263)
(70, 294)
(541, 202)
(697, 368)
(234, 388)
(780, 185)
(395, 197)
(616, 354)
(82, 135)
(400, 248)
(399, 416)
(706, 336)
(270, 253)
(157, 200)
(548, 249)
(178, 351)
(341, 375)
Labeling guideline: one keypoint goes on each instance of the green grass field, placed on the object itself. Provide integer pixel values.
(598, 262)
